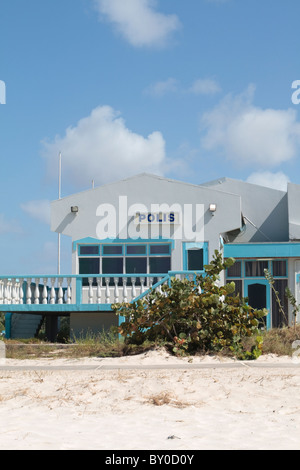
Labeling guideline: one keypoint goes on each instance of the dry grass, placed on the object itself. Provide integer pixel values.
(166, 398)
(102, 345)
(280, 341)
(275, 341)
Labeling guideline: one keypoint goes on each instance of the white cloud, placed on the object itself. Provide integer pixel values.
(138, 21)
(101, 148)
(163, 87)
(39, 210)
(271, 180)
(205, 86)
(201, 86)
(251, 135)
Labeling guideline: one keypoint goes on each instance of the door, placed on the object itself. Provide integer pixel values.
(195, 256)
(258, 293)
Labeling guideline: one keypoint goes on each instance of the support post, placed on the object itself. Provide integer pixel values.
(8, 317)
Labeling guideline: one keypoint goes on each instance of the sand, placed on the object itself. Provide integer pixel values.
(168, 409)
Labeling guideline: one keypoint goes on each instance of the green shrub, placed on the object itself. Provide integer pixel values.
(194, 316)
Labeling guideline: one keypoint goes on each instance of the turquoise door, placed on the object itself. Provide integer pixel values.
(258, 293)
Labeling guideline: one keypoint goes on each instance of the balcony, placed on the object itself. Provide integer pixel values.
(77, 293)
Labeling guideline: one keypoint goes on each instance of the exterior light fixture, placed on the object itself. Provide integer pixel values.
(212, 208)
(74, 209)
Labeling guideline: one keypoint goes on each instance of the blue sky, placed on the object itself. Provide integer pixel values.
(193, 90)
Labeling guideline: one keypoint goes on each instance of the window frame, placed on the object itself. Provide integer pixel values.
(135, 254)
(81, 255)
(245, 280)
(281, 276)
(124, 254)
(111, 255)
(195, 249)
(167, 245)
(262, 276)
(236, 276)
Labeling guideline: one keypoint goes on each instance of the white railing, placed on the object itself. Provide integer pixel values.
(118, 289)
(35, 290)
(81, 289)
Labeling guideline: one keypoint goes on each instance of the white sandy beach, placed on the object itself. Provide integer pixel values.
(161, 409)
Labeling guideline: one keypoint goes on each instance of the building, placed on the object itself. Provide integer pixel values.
(136, 233)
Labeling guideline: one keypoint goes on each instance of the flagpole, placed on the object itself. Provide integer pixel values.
(59, 197)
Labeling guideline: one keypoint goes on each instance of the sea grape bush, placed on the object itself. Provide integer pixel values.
(194, 316)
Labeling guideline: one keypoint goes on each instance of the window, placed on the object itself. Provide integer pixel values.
(255, 268)
(159, 265)
(249, 278)
(112, 265)
(235, 270)
(159, 249)
(136, 249)
(279, 268)
(124, 258)
(88, 266)
(278, 319)
(136, 265)
(112, 250)
(238, 288)
(89, 250)
(195, 260)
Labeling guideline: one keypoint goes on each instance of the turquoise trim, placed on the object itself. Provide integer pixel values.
(270, 268)
(264, 282)
(78, 290)
(120, 321)
(57, 308)
(262, 250)
(159, 283)
(124, 246)
(87, 240)
(93, 241)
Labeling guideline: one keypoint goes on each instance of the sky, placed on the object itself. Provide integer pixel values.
(192, 90)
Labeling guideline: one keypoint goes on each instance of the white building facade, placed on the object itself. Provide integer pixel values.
(137, 233)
